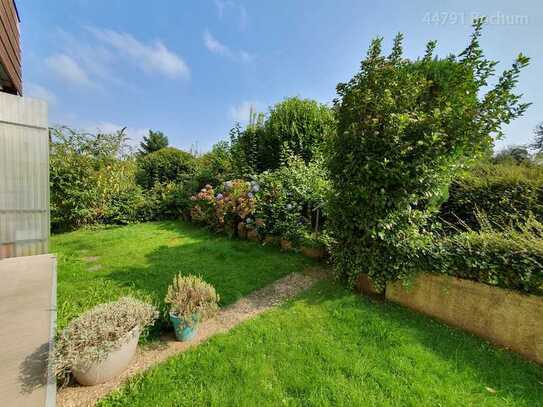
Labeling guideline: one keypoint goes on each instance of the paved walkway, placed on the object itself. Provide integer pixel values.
(27, 315)
(246, 308)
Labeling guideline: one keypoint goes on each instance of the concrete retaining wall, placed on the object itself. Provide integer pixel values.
(503, 317)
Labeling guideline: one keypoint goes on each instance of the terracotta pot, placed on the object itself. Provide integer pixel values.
(7, 250)
(313, 252)
(252, 234)
(114, 364)
(242, 230)
(271, 240)
(286, 244)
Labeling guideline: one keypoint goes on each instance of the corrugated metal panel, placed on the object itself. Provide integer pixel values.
(24, 177)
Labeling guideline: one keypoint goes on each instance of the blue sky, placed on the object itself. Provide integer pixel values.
(193, 68)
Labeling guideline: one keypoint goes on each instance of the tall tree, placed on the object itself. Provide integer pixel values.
(538, 142)
(405, 129)
(153, 142)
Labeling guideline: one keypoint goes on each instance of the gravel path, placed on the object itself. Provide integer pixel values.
(246, 308)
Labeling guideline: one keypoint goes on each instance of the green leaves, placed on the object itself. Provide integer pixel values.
(293, 127)
(510, 258)
(404, 130)
(154, 141)
(165, 165)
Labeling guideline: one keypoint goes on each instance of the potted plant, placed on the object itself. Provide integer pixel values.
(314, 245)
(290, 238)
(191, 300)
(252, 233)
(271, 240)
(242, 230)
(286, 244)
(99, 345)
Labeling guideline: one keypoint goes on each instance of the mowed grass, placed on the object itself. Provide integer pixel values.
(332, 348)
(96, 266)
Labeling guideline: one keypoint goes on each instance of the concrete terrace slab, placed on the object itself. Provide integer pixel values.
(27, 315)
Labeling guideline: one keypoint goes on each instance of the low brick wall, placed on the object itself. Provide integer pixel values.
(503, 317)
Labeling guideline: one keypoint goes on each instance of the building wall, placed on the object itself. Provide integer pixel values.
(10, 50)
(24, 176)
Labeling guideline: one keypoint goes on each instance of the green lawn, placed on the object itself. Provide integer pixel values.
(332, 348)
(96, 266)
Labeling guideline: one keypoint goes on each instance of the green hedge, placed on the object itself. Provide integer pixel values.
(165, 165)
(88, 191)
(506, 193)
(508, 259)
(293, 126)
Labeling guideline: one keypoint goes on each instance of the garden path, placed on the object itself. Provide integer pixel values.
(246, 308)
(27, 312)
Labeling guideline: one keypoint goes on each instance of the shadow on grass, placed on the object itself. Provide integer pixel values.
(234, 267)
(401, 335)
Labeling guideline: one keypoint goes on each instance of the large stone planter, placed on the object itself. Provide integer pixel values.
(503, 317)
(115, 363)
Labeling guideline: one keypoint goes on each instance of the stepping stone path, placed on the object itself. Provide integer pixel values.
(246, 308)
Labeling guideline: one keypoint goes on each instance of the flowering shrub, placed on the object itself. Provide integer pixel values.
(203, 206)
(224, 210)
(278, 212)
(291, 203)
(235, 204)
(288, 203)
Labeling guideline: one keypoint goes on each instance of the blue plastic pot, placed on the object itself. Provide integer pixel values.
(184, 331)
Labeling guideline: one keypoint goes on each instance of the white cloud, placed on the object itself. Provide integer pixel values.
(152, 58)
(217, 47)
(66, 68)
(39, 92)
(241, 113)
(96, 58)
(213, 45)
